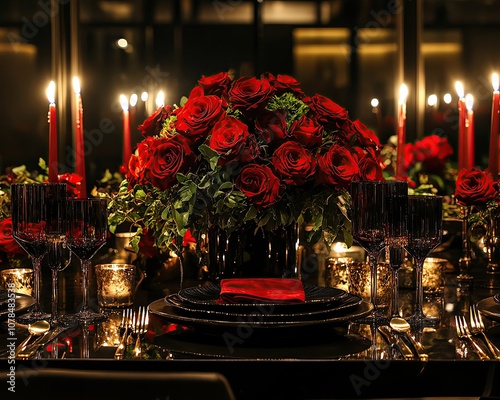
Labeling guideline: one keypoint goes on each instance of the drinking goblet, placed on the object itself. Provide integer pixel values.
(396, 236)
(425, 229)
(30, 223)
(86, 233)
(58, 258)
(368, 209)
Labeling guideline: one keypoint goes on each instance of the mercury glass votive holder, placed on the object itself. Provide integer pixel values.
(336, 272)
(115, 284)
(19, 280)
(433, 278)
(359, 282)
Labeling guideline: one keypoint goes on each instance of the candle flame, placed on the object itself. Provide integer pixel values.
(432, 100)
(469, 101)
(133, 100)
(494, 81)
(403, 93)
(144, 96)
(51, 91)
(447, 98)
(160, 99)
(460, 89)
(124, 102)
(374, 102)
(76, 85)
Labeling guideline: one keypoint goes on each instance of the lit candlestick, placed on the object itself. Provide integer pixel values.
(469, 101)
(127, 152)
(53, 150)
(133, 112)
(493, 162)
(144, 98)
(462, 130)
(160, 99)
(403, 94)
(79, 140)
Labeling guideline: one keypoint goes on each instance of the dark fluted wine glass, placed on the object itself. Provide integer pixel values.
(31, 207)
(396, 236)
(368, 209)
(425, 229)
(86, 233)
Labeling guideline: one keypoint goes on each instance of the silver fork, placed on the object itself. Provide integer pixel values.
(477, 329)
(463, 333)
(142, 322)
(126, 325)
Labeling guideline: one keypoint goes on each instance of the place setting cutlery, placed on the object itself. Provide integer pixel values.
(478, 329)
(133, 327)
(463, 333)
(29, 350)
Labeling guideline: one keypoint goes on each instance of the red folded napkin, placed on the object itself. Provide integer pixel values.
(261, 290)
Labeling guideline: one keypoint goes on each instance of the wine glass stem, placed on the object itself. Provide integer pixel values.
(85, 273)
(37, 263)
(55, 299)
(419, 300)
(373, 260)
(395, 293)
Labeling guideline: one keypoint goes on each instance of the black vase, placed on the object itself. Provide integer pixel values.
(252, 253)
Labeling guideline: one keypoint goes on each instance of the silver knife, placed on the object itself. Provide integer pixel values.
(395, 342)
(45, 339)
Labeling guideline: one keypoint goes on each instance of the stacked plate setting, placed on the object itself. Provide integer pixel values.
(200, 307)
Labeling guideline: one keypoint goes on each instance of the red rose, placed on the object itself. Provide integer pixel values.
(136, 172)
(250, 94)
(294, 163)
(433, 151)
(271, 125)
(366, 136)
(153, 125)
(337, 167)
(231, 140)
(169, 156)
(7, 243)
(308, 132)
(284, 84)
(198, 116)
(328, 113)
(260, 185)
(409, 154)
(73, 183)
(147, 244)
(475, 187)
(369, 169)
(218, 84)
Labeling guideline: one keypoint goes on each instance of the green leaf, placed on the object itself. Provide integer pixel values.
(250, 214)
(140, 194)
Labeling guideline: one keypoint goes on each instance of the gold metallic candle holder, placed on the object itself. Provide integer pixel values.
(19, 280)
(359, 281)
(115, 284)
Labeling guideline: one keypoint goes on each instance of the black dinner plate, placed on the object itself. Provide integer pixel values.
(489, 308)
(22, 303)
(208, 297)
(263, 311)
(186, 344)
(254, 322)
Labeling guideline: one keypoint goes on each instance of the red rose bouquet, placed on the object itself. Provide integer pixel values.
(245, 150)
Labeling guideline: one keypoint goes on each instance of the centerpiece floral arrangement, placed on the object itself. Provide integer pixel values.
(248, 150)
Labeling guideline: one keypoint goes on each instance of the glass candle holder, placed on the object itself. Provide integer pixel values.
(115, 285)
(19, 280)
(336, 272)
(359, 282)
(434, 275)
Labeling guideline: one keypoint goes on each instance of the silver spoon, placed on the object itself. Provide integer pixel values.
(35, 329)
(401, 325)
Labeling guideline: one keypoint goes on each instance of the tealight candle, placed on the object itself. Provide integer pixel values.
(359, 282)
(115, 284)
(18, 280)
